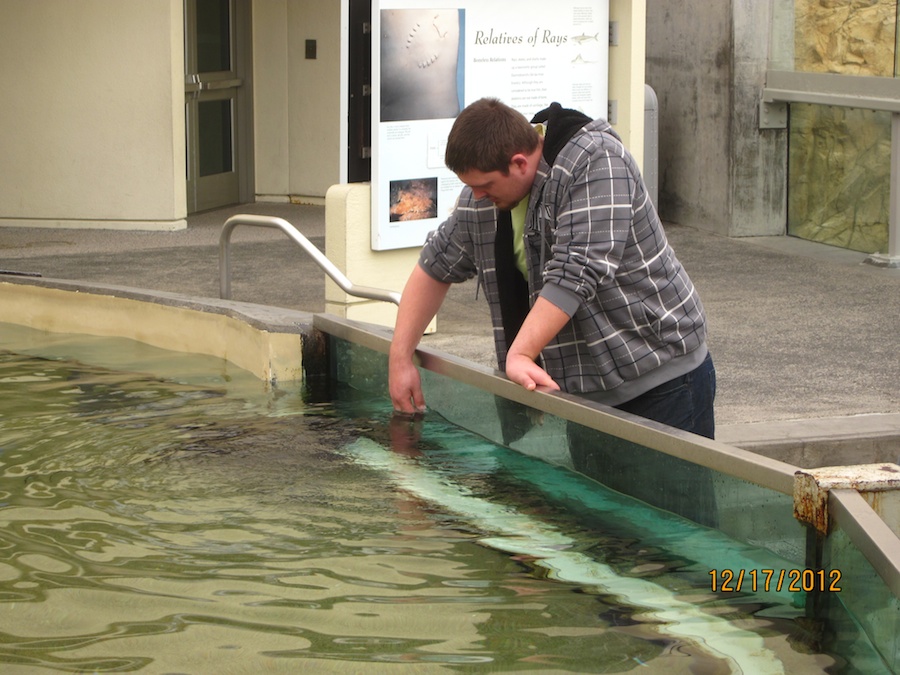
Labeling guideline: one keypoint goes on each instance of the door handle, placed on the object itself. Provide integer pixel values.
(192, 84)
(220, 84)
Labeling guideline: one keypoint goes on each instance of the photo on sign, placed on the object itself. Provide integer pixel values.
(413, 199)
(419, 64)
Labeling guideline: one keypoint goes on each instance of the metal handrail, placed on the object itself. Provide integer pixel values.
(848, 91)
(281, 224)
(742, 464)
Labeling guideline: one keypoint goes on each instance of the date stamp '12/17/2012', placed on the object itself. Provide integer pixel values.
(766, 580)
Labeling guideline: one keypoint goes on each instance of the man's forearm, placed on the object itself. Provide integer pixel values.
(422, 297)
(420, 301)
(543, 323)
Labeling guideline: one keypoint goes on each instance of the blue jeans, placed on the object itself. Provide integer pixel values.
(684, 403)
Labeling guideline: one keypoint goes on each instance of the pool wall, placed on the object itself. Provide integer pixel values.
(268, 342)
(282, 346)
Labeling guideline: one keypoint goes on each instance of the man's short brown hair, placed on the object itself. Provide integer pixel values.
(486, 135)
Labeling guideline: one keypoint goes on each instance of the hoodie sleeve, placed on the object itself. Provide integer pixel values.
(593, 196)
(448, 254)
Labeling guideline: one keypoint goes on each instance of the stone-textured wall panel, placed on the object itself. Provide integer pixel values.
(840, 176)
(840, 158)
(855, 37)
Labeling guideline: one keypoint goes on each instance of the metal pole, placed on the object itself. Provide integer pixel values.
(894, 222)
(892, 257)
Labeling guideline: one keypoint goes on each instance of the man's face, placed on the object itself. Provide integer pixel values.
(505, 190)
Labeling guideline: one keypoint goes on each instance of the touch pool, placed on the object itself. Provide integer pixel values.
(169, 514)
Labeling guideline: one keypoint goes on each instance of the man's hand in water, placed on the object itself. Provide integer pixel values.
(405, 386)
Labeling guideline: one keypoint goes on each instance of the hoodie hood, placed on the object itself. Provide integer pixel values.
(562, 124)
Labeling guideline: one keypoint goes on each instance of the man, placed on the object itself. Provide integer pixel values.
(585, 293)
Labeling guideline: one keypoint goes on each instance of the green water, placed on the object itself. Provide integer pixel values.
(200, 524)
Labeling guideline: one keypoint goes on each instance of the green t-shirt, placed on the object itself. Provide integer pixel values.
(518, 224)
(518, 228)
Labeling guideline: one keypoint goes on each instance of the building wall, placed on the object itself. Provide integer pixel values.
(717, 170)
(758, 156)
(299, 145)
(689, 47)
(92, 119)
(92, 125)
(297, 101)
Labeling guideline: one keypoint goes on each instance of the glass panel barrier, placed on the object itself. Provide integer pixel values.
(839, 171)
(721, 528)
(839, 151)
(689, 490)
(704, 496)
(865, 598)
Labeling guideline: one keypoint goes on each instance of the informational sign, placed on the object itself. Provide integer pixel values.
(431, 58)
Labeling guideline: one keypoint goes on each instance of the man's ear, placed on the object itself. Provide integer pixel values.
(518, 163)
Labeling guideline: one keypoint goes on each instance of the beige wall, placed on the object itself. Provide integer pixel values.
(626, 73)
(91, 118)
(270, 99)
(297, 138)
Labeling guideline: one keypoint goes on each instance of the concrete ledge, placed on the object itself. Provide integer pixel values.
(833, 441)
(265, 341)
(123, 225)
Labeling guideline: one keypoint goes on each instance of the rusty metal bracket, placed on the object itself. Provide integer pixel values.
(811, 487)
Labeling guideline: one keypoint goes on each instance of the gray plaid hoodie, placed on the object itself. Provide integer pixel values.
(596, 249)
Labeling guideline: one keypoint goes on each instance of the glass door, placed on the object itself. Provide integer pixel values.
(212, 95)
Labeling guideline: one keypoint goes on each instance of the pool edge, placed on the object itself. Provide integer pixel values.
(268, 342)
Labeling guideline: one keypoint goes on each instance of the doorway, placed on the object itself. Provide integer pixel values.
(217, 103)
